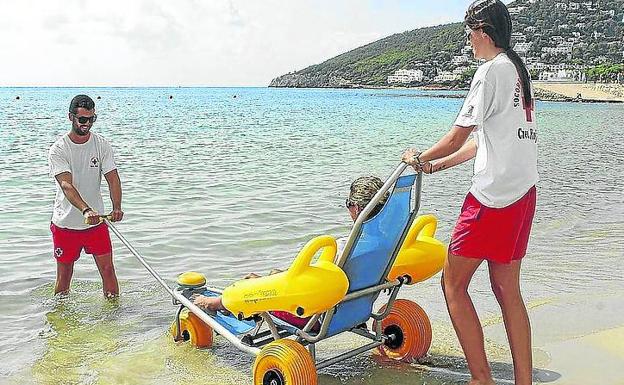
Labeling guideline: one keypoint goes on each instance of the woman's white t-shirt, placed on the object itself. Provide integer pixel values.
(505, 166)
(87, 163)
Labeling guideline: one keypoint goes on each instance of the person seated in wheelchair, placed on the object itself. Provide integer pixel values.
(362, 191)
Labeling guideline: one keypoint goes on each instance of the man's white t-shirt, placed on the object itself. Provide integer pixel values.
(87, 163)
(505, 166)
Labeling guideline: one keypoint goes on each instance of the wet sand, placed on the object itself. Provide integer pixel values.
(576, 340)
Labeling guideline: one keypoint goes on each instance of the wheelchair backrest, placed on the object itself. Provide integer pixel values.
(373, 253)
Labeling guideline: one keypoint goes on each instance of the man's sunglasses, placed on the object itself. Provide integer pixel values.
(85, 119)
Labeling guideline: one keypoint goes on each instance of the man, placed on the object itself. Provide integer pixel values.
(77, 161)
(362, 191)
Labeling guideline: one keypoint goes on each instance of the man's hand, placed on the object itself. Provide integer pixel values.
(92, 217)
(410, 156)
(116, 215)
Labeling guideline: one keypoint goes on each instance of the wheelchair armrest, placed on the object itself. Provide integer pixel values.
(421, 255)
(303, 290)
(302, 260)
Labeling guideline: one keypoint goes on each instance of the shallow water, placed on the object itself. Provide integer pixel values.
(226, 185)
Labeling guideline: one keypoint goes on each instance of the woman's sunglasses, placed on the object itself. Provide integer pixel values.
(348, 203)
(85, 119)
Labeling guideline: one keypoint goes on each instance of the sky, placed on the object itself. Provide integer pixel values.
(193, 42)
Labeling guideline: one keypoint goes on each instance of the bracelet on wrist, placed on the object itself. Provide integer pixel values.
(86, 210)
(417, 157)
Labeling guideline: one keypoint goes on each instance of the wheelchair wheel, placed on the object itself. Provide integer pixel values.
(284, 362)
(408, 329)
(193, 329)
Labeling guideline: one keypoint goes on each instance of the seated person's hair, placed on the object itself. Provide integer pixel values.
(363, 189)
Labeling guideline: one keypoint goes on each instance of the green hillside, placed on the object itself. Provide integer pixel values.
(575, 34)
(372, 63)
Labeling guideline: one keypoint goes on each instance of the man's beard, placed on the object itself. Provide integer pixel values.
(78, 131)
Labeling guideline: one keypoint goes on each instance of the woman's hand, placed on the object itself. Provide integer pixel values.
(426, 167)
(410, 156)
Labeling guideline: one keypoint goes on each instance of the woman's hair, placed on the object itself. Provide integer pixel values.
(493, 18)
(362, 191)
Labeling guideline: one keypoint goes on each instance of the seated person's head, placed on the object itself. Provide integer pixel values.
(363, 189)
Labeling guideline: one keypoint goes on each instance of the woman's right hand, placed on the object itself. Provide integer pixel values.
(410, 156)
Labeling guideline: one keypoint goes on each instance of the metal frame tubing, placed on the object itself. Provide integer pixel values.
(302, 334)
(355, 231)
(184, 301)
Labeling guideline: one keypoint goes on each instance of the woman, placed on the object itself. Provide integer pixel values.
(361, 192)
(495, 220)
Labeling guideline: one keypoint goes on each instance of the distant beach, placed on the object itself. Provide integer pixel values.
(545, 91)
(581, 92)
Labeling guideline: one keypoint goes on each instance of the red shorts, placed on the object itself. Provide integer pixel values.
(69, 243)
(497, 235)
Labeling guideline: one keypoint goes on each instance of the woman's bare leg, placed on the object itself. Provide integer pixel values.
(209, 303)
(505, 280)
(458, 272)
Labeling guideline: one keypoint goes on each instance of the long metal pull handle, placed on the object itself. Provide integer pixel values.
(182, 299)
(138, 256)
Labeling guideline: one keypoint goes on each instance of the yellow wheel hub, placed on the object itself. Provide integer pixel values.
(284, 362)
(409, 330)
(193, 329)
(191, 279)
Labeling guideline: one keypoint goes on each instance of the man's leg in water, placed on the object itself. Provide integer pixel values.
(64, 272)
(107, 272)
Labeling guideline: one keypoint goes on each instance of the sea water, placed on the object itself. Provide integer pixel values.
(228, 181)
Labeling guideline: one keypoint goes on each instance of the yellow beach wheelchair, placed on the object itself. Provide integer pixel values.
(333, 294)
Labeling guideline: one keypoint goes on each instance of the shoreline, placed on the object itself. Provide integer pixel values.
(544, 91)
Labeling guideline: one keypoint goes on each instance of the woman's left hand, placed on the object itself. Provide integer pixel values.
(410, 156)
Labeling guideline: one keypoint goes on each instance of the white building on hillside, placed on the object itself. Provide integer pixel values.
(460, 70)
(563, 75)
(563, 48)
(518, 37)
(522, 48)
(445, 76)
(460, 59)
(406, 76)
